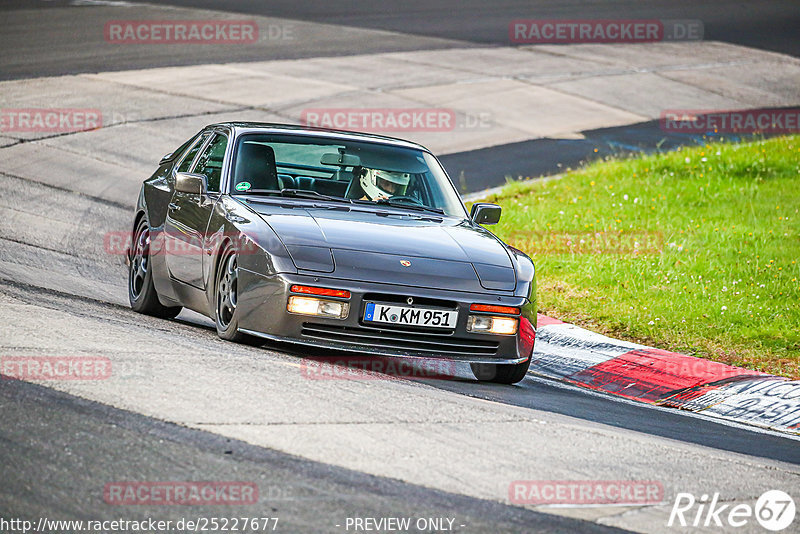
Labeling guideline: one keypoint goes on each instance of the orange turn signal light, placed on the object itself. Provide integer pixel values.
(490, 308)
(325, 292)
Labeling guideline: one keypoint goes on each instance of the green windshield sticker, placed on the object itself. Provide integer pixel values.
(242, 186)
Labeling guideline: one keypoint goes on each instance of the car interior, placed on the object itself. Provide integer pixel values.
(257, 165)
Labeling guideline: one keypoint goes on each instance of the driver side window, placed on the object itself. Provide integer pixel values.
(210, 161)
(186, 163)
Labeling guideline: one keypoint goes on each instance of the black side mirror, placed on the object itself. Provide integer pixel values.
(194, 184)
(484, 213)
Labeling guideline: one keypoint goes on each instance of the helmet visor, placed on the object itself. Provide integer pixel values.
(392, 188)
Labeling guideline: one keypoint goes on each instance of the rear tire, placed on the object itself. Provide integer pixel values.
(501, 373)
(226, 299)
(141, 291)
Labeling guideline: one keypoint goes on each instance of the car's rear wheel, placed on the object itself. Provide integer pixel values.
(501, 373)
(141, 291)
(226, 298)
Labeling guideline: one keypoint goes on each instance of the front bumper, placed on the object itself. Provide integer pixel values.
(262, 305)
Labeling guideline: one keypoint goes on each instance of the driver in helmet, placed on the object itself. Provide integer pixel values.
(378, 184)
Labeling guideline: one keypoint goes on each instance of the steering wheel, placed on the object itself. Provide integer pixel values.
(412, 200)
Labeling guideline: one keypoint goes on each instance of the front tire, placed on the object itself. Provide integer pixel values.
(226, 299)
(141, 291)
(501, 373)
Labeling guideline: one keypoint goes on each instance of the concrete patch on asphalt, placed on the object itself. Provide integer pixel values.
(772, 84)
(662, 55)
(532, 110)
(85, 174)
(555, 92)
(226, 84)
(634, 93)
(115, 104)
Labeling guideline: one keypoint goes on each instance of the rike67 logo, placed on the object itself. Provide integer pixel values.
(774, 511)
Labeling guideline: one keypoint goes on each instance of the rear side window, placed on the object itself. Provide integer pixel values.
(186, 163)
(210, 161)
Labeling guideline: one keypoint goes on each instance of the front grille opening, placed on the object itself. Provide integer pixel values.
(407, 328)
(409, 341)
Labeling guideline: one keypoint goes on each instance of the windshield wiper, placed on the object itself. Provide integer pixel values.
(404, 204)
(298, 193)
(305, 193)
(258, 192)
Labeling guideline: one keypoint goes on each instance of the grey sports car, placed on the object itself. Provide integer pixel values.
(341, 240)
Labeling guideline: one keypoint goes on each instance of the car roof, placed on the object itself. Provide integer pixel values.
(268, 127)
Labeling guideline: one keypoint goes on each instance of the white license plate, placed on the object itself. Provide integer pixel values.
(403, 315)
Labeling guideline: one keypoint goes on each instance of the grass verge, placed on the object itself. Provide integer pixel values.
(695, 251)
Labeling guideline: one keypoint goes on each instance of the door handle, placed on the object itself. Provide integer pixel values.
(174, 207)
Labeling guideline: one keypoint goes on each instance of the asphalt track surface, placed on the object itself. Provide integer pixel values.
(29, 49)
(493, 166)
(60, 442)
(58, 450)
(770, 25)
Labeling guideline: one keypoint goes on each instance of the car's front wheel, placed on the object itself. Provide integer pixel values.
(141, 291)
(501, 373)
(226, 298)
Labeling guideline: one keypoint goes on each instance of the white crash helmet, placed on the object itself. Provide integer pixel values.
(377, 183)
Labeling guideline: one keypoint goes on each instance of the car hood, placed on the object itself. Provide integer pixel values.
(370, 245)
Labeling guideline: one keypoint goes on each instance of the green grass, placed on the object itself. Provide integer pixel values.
(717, 270)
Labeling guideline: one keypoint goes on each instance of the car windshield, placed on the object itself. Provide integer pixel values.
(334, 168)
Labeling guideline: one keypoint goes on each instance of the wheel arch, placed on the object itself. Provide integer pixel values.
(137, 218)
(211, 287)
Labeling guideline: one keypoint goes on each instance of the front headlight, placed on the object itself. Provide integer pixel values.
(489, 324)
(319, 307)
